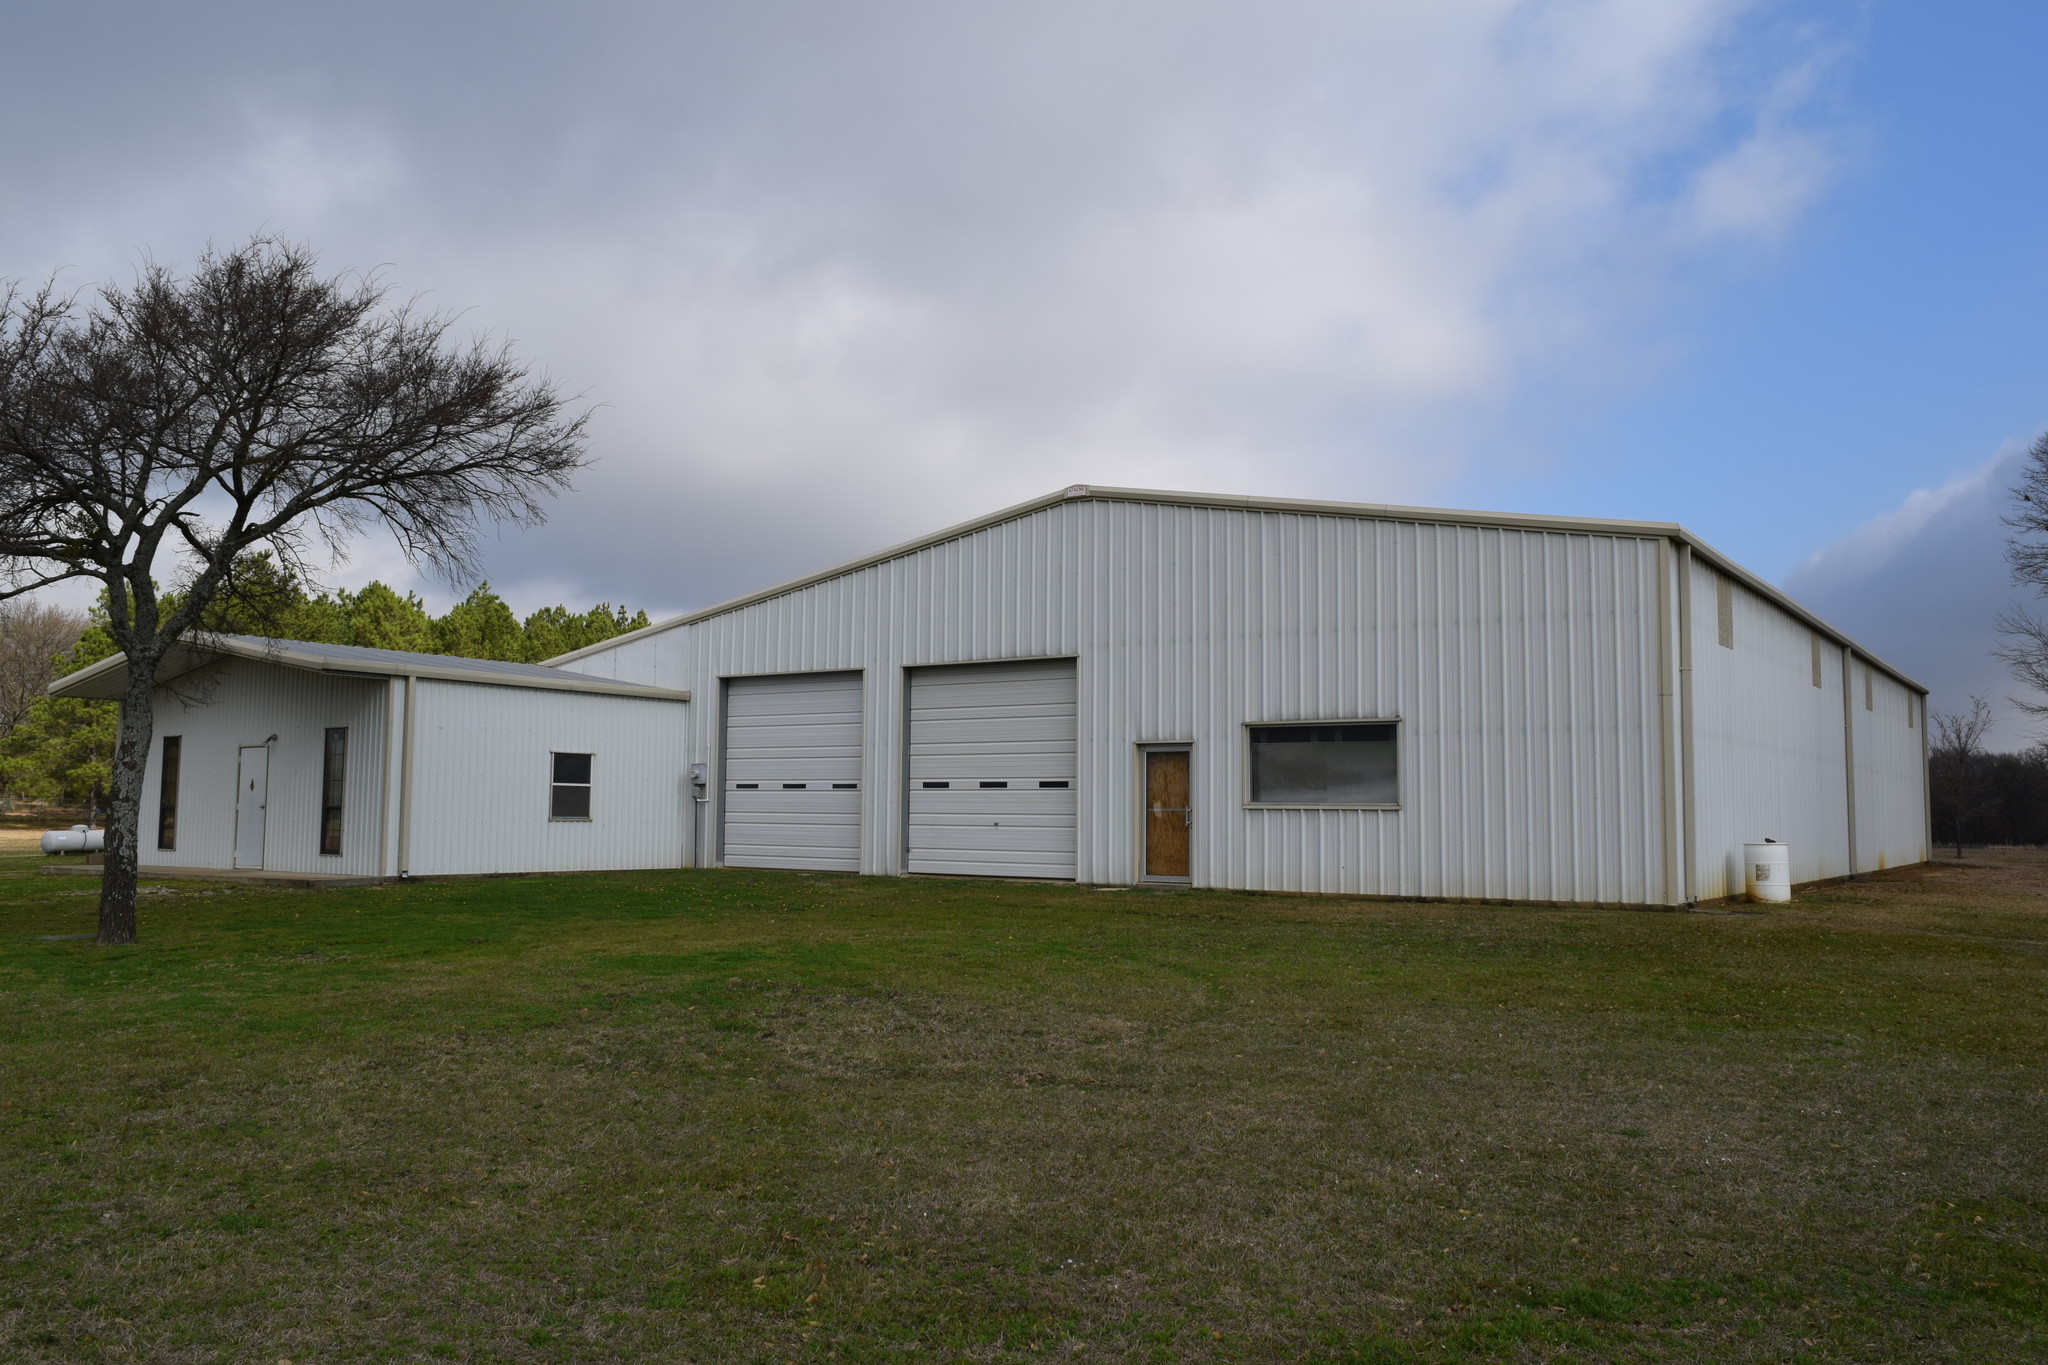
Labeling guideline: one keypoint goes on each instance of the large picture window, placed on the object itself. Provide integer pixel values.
(333, 785)
(1325, 765)
(569, 793)
(167, 793)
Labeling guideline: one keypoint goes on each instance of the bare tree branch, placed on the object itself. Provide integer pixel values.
(1954, 748)
(2026, 649)
(254, 402)
(2026, 654)
(32, 635)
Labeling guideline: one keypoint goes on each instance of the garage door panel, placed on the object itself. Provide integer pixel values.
(792, 772)
(992, 733)
(815, 770)
(992, 805)
(1048, 836)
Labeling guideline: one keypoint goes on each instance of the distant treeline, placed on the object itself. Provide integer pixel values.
(60, 750)
(1997, 798)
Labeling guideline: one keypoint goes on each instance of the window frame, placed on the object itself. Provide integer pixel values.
(1245, 759)
(588, 788)
(333, 783)
(170, 771)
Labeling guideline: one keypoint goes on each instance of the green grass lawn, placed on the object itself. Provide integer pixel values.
(761, 1116)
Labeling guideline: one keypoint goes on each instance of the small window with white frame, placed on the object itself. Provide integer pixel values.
(569, 789)
(1342, 763)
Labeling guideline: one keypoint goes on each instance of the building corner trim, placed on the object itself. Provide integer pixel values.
(1667, 727)
(1849, 753)
(1690, 815)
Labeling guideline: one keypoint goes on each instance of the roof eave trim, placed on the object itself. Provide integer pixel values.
(1078, 492)
(66, 686)
(571, 682)
(82, 684)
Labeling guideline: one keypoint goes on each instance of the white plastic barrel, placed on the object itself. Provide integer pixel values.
(1767, 871)
(77, 839)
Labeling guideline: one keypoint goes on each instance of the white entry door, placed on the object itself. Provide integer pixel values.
(252, 795)
(792, 772)
(992, 769)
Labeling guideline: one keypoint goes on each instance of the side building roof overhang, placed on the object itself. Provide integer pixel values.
(1363, 511)
(107, 680)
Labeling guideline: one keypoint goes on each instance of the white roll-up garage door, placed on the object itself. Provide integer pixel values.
(992, 769)
(792, 772)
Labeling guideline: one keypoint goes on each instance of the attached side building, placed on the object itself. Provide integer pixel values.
(334, 760)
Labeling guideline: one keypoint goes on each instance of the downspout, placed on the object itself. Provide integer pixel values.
(384, 790)
(412, 689)
(1849, 752)
(1667, 741)
(1685, 740)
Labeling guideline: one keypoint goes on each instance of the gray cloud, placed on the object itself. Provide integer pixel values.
(1922, 585)
(843, 273)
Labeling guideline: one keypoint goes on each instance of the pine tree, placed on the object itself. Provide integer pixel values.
(481, 626)
(378, 618)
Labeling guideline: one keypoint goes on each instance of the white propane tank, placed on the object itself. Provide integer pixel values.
(1767, 871)
(77, 839)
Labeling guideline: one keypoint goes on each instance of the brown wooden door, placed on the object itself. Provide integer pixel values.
(1167, 814)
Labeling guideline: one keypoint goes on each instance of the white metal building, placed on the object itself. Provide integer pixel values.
(328, 759)
(1113, 685)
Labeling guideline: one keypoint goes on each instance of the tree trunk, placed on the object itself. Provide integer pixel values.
(124, 814)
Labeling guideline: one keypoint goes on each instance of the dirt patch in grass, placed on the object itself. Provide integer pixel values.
(750, 1116)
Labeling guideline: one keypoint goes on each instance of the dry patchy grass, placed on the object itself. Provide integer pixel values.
(752, 1116)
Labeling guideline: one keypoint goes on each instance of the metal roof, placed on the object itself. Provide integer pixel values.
(108, 679)
(1369, 511)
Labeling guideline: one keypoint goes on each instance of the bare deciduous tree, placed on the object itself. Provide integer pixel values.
(32, 635)
(181, 422)
(2026, 650)
(1957, 745)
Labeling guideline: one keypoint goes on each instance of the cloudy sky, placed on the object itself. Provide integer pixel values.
(839, 273)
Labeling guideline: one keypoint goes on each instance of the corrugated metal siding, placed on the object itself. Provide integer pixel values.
(1767, 743)
(232, 704)
(482, 768)
(1891, 814)
(1521, 664)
